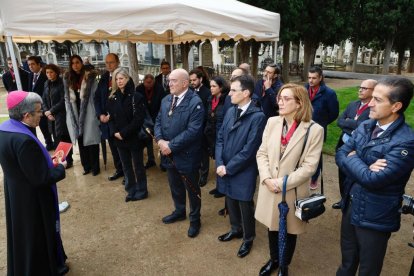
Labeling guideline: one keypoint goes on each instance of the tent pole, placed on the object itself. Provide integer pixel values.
(14, 61)
(170, 38)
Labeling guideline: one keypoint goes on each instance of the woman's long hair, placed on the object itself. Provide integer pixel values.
(74, 78)
(304, 112)
(222, 84)
(115, 87)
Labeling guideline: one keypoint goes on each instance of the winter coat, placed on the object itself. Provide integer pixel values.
(183, 129)
(54, 101)
(82, 122)
(325, 106)
(127, 112)
(236, 147)
(272, 166)
(268, 100)
(377, 196)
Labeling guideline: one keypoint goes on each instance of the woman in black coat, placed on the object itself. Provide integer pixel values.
(126, 117)
(215, 113)
(54, 108)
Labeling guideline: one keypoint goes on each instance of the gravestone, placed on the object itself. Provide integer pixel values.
(207, 54)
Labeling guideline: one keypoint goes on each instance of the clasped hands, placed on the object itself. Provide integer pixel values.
(164, 147)
(271, 184)
(221, 171)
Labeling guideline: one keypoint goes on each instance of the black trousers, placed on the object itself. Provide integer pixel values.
(274, 246)
(341, 175)
(115, 154)
(178, 189)
(44, 127)
(89, 156)
(134, 171)
(241, 214)
(205, 164)
(361, 247)
(150, 150)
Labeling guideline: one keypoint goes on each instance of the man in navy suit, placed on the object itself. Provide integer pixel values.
(178, 132)
(37, 79)
(355, 113)
(9, 78)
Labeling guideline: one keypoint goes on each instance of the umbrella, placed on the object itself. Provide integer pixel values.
(103, 146)
(283, 211)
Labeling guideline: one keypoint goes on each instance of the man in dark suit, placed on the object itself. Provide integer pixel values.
(355, 113)
(9, 79)
(178, 131)
(162, 78)
(36, 83)
(196, 81)
(100, 101)
(34, 245)
(153, 94)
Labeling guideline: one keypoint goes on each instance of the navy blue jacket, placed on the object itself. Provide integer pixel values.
(325, 107)
(236, 148)
(268, 101)
(183, 129)
(376, 196)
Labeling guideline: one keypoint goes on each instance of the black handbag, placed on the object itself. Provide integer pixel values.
(147, 126)
(313, 206)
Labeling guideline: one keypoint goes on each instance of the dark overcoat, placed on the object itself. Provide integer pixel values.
(54, 101)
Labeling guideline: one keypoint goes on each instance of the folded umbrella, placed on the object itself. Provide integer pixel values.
(283, 211)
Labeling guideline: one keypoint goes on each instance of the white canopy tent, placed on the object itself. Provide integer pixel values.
(157, 21)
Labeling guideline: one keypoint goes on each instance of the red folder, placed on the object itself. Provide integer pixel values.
(61, 151)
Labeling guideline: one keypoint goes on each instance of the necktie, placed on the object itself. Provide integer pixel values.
(377, 130)
(174, 104)
(239, 111)
(35, 76)
(165, 82)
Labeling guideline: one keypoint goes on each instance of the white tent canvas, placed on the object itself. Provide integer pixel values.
(157, 21)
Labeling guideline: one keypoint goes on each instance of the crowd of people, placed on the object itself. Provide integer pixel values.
(249, 128)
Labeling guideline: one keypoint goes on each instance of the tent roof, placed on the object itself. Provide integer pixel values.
(158, 21)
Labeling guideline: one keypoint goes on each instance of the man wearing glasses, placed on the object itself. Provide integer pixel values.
(355, 113)
(266, 90)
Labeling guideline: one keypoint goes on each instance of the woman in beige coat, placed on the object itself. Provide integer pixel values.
(278, 155)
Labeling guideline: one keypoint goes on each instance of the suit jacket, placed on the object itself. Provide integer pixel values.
(158, 80)
(39, 86)
(154, 103)
(272, 166)
(11, 85)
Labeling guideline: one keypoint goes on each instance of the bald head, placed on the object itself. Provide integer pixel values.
(238, 72)
(178, 81)
(366, 89)
(245, 66)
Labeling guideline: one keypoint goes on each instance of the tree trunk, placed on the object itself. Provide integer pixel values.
(401, 52)
(133, 62)
(3, 53)
(410, 67)
(244, 53)
(355, 47)
(387, 55)
(168, 55)
(309, 57)
(185, 49)
(255, 57)
(285, 67)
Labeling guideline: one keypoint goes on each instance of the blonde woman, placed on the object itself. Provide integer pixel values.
(278, 155)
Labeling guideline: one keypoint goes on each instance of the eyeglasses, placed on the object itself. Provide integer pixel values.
(284, 99)
(234, 90)
(37, 111)
(363, 88)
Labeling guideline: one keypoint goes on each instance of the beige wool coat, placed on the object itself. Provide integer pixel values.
(272, 166)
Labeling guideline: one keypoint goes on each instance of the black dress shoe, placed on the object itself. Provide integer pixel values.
(69, 165)
(283, 271)
(218, 195)
(194, 229)
(245, 249)
(86, 172)
(163, 169)
(150, 164)
(135, 198)
(123, 181)
(115, 176)
(268, 268)
(95, 173)
(173, 218)
(337, 205)
(62, 270)
(213, 192)
(229, 236)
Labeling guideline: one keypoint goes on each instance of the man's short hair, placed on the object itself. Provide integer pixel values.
(246, 83)
(36, 59)
(149, 76)
(277, 68)
(25, 106)
(115, 56)
(316, 69)
(196, 72)
(164, 62)
(401, 90)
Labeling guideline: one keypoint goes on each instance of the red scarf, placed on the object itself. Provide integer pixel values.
(285, 139)
(313, 91)
(361, 109)
(148, 94)
(12, 74)
(214, 103)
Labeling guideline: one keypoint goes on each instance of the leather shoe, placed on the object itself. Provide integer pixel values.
(218, 195)
(245, 249)
(95, 173)
(115, 176)
(222, 212)
(283, 271)
(130, 198)
(229, 236)
(213, 192)
(268, 268)
(162, 168)
(173, 218)
(194, 229)
(86, 172)
(150, 164)
(337, 205)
